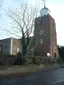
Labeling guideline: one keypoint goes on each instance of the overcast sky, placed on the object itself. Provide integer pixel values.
(56, 10)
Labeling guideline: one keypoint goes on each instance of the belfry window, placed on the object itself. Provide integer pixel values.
(41, 41)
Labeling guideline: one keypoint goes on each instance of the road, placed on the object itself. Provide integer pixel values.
(43, 77)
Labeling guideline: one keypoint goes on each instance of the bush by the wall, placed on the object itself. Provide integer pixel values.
(36, 60)
(20, 59)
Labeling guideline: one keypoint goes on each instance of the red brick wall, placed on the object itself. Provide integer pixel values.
(42, 23)
(53, 39)
(46, 23)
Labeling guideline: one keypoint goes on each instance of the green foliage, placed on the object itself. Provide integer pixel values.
(1, 63)
(20, 60)
(36, 60)
(7, 55)
(27, 40)
(23, 45)
(60, 60)
(61, 53)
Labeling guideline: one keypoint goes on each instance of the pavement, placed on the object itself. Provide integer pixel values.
(54, 76)
(22, 70)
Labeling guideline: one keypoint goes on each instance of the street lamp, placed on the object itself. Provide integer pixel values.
(48, 54)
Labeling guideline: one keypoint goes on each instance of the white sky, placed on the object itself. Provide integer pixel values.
(56, 10)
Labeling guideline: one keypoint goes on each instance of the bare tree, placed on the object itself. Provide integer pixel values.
(23, 25)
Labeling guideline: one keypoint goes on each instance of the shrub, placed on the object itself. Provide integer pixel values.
(20, 59)
(1, 63)
(36, 60)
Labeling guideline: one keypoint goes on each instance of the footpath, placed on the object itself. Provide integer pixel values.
(22, 70)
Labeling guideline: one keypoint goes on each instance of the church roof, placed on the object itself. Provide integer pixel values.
(44, 8)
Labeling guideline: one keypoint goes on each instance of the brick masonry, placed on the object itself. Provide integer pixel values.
(46, 24)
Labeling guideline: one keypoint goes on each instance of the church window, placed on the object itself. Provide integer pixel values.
(18, 50)
(41, 41)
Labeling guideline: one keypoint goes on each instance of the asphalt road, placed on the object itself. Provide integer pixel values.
(43, 77)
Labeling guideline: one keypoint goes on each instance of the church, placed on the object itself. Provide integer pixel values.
(44, 34)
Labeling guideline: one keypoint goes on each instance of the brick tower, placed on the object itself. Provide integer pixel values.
(45, 34)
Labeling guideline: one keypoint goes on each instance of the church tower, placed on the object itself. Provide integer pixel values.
(45, 34)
